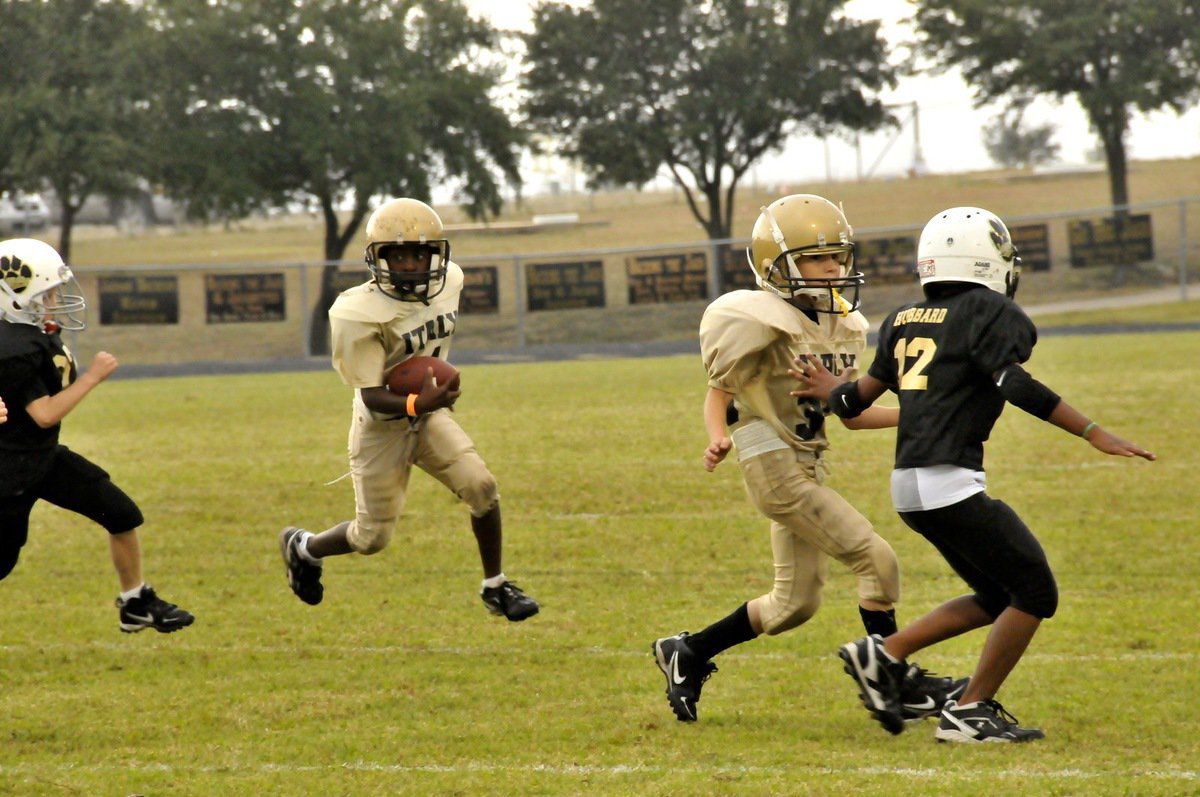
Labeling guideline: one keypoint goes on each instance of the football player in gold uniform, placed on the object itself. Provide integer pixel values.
(409, 307)
(803, 261)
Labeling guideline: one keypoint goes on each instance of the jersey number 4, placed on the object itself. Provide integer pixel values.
(922, 349)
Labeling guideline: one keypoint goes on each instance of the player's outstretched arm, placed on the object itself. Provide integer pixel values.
(1072, 420)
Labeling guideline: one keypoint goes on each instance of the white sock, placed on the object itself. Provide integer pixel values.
(494, 581)
(302, 547)
(133, 593)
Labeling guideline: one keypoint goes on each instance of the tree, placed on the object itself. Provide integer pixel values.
(1013, 144)
(72, 119)
(340, 101)
(704, 88)
(1117, 57)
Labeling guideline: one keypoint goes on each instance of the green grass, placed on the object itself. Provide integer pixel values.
(400, 683)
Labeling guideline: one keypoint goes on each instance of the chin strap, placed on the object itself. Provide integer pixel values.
(843, 305)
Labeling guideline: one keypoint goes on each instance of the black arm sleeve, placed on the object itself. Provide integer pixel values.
(1022, 390)
(845, 402)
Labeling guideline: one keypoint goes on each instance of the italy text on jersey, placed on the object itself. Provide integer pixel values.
(436, 328)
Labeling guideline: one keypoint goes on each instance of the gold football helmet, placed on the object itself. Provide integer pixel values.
(412, 224)
(797, 225)
(37, 287)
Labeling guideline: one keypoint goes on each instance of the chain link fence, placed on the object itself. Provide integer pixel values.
(254, 312)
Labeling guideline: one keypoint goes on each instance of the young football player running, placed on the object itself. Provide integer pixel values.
(954, 360)
(40, 386)
(803, 261)
(408, 308)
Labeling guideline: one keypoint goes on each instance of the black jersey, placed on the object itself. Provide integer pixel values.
(32, 364)
(938, 356)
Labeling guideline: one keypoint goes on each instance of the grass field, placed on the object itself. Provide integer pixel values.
(401, 683)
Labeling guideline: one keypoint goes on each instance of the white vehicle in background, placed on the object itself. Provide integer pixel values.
(20, 213)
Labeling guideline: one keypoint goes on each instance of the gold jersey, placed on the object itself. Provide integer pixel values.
(372, 332)
(748, 340)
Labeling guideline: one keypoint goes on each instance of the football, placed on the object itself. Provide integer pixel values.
(408, 376)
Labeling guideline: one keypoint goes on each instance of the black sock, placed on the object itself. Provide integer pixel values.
(877, 621)
(723, 634)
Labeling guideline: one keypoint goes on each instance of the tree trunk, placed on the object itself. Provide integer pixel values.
(1118, 183)
(66, 225)
(336, 241)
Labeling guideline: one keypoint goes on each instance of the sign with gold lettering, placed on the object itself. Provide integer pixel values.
(244, 297)
(480, 293)
(149, 299)
(1116, 241)
(675, 277)
(1033, 245)
(565, 286)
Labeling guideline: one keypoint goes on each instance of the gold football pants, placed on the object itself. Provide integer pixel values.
(811, 523)
(382, 454)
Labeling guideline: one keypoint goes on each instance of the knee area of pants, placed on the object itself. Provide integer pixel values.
(1041, 603)
(778, 623)
(367, 543)
(7, 563)
(481, 496)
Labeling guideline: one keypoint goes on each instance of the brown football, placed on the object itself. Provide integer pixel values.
(408, 376)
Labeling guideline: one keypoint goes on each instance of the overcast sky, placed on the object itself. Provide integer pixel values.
(950, 127)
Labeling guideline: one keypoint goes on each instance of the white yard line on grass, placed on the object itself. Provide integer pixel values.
(973, 773)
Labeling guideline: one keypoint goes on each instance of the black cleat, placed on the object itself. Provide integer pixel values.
(878, 680)
(303, 576)
(923, 694)
(685, 674)
(147, 610)
(984, 721)
(510, 601)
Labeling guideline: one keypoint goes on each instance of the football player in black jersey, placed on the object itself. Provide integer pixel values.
(954, 360)
(40, 386)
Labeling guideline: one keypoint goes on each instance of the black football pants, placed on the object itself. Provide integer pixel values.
(72, 482)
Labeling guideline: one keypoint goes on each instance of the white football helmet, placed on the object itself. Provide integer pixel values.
(36, 285)
(969, 245)
(410, 223)
(804, 224)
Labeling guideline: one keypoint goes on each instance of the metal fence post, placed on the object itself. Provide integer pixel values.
(714, 270)
(520, 303)
(305, 313)
(1183, 270)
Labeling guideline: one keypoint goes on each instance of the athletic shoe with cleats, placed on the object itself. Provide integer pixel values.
(923, 694)
(303, 576)
(147, 610)
(983, 721)
(878, 680)
(510, 601)
(685, 674)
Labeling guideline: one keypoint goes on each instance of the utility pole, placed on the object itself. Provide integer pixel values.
(918, 161)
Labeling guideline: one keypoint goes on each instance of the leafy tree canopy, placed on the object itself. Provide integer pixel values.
(1117, 57)
(339, 100)
(73, 111)
(702, 87)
